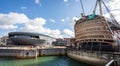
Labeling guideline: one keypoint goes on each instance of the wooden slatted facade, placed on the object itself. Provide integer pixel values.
(93, 32)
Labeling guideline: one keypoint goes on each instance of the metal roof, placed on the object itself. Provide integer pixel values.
(28, 33)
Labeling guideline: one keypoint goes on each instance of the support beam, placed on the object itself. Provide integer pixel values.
(92, 47)
(86, 47)
(99, 47)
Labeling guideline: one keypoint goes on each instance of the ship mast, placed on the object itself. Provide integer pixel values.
(83, 14)
(98, 2)
(100, 7)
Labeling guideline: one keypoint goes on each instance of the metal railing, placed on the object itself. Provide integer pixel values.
(115, 62)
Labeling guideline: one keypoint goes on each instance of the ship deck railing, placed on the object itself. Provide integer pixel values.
(21, 48)
(114, 62)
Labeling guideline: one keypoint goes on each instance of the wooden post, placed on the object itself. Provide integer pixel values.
(92, 47)
(86, 47)
(36, 53)
(99, 49)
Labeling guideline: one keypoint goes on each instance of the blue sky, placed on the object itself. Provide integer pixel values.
(50, 17)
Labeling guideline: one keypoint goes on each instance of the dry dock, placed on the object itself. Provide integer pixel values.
(55, 50)
(19, 52)
(31, 52)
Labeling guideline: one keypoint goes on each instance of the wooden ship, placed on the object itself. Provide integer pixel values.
(94, 32)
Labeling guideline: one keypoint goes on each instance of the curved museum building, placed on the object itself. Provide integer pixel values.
(28, 38)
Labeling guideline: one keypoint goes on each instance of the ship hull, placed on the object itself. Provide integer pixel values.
(94, 34)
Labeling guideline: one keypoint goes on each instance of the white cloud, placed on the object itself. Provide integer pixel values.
(37, 1)
(37, 25)
(76, 0)
(56, 33)
(23, 8)
(8, 21)
(116, 14)
(8, 27)
(65, 19)
(68, 33)
(74, 19)
(62, 20)
(114, 4)
(12, 18)
(65, 0)
(52, 20)
(115, 9)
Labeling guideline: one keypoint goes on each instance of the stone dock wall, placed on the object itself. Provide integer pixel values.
(19, 52)
(89, 58)
(52, 51)
(31, 52)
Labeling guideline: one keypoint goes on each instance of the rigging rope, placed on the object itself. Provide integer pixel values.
(95, 6)
(82, 7)
(114, 21)
(111, 15)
